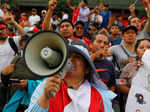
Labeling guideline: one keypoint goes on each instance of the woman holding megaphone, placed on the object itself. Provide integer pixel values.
(79, 91)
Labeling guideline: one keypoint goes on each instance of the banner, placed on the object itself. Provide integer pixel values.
(139, 94)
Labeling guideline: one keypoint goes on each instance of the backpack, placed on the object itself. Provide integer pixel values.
(13, 46)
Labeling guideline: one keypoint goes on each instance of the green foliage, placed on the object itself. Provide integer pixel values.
(14, 3)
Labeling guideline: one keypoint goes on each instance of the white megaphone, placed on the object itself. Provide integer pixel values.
(46, 54)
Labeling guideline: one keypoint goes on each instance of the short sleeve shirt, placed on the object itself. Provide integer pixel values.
(106, 72)
(106, 15)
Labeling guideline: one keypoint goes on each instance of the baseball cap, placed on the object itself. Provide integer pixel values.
(106, 4)
(43, 11)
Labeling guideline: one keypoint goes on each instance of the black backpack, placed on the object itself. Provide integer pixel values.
(13, 46)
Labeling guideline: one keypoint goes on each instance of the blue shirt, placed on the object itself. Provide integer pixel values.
(116, 41)
(106, 15)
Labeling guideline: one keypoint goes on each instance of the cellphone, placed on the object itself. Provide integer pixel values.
(12, 80)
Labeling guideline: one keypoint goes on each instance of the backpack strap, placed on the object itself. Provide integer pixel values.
(125, 51)
(13, 46)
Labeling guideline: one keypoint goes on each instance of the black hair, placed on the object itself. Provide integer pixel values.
(94, 37)
(65, 10)
(115, 25)
(55, 13)
(66, 20)
(79, 22)
(95, 34)
(138, 43)
(85, 1)
(129, 28)
(80, 42)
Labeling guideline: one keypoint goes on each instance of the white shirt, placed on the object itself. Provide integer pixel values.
(1, 13)
(7, 53)
(54, 22)
(65, 16)
(83, 14)
(96, 18)
(34, 19)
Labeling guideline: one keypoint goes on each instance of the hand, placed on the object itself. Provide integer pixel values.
(105, 31)
(52, 85)
(99, 55)
(9, 20)
(52, 4)
(130, 60)
(139, 64)
(108, 52)
(148, 7)
(8, 70)
(21, 85)
(132, 8)
(101, 6)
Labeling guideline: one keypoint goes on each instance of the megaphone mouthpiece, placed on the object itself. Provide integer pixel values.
(52, 57)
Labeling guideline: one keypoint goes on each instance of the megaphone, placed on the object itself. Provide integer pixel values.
(46, 54)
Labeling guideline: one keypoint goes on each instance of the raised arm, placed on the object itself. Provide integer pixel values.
(10, 20)
(52, 5)
(69, 5)
(132, 10)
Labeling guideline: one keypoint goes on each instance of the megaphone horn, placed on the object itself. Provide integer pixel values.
(46, 53)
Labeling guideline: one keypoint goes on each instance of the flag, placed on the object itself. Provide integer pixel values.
(143, 1)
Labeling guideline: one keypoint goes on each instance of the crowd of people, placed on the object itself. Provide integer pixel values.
(105, 54)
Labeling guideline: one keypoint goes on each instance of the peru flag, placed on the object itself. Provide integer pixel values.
(85, 99)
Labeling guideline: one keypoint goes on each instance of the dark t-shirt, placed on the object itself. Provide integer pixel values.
(106, 72)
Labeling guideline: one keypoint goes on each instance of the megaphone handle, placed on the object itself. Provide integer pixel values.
(52, 93)
(62, 73)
